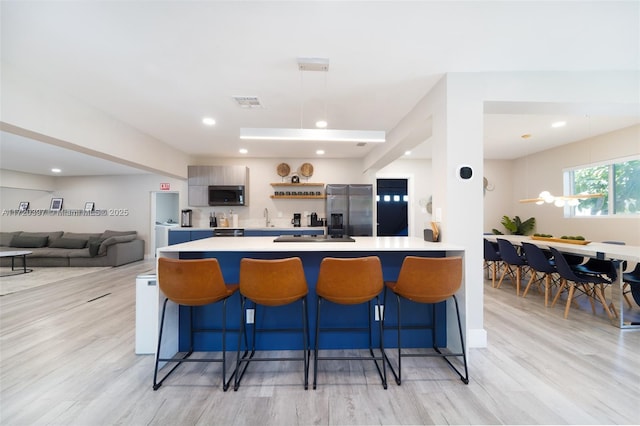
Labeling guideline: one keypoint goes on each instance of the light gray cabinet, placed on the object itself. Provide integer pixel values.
(198, 195)
(198, 175)
(218, 175)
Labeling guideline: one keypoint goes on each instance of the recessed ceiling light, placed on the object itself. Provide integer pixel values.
(55, 170)
(243, 150)
(208, 121)
(407, 153)
(558, 124)
(320, 152)
(321, 124)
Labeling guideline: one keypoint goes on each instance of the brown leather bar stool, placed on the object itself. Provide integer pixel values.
(350, 281)
(428, 280)
(193, 283)
(269, 283)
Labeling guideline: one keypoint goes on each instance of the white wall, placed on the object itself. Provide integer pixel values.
(498, 198)
(11, 179)
(546, 168)
(526, 177)
(127, 200)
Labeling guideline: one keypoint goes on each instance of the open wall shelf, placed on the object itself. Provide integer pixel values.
(290, 186)
(297, 184)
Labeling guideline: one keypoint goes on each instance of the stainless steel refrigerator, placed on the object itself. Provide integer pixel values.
(349, 209)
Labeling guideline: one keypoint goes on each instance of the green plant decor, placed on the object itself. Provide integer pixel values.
(516, 226)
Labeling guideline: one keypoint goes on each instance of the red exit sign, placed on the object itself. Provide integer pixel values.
(165, 186)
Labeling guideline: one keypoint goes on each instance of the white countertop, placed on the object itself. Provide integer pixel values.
(266, 244)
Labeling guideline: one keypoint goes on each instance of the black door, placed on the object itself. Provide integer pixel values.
(392, 202)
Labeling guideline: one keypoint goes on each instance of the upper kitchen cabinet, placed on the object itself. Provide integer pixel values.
(218, 175)
(201, 177)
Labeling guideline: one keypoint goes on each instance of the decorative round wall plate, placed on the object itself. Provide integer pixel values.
(306, 170)
(283, 169)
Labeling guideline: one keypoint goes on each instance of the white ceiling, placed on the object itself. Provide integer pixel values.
(162, 66)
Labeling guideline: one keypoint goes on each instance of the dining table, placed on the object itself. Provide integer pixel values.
(623, 254)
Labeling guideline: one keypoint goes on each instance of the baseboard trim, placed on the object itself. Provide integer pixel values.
(477, 338)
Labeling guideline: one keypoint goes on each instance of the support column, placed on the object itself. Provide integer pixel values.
(457, 202)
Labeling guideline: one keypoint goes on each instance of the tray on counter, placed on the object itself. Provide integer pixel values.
(561, 240)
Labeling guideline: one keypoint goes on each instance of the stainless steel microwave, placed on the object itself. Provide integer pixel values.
(226, 195)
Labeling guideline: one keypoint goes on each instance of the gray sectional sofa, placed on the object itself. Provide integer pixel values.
(58, 248)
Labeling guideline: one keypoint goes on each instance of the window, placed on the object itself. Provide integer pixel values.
(618, 181)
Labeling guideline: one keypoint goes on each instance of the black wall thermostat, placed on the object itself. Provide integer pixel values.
(465, 172)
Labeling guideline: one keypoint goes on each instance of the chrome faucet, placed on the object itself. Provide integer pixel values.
(266, 215)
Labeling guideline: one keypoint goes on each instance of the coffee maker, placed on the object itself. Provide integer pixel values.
(185, 218)
(297, 218)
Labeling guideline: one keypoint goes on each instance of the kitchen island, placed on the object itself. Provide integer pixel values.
(229, 252)
(180, 235)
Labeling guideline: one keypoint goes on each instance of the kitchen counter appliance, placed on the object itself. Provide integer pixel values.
(296, 221)
(186, 218)
(226, 195)
(350, 209)
(228, 232)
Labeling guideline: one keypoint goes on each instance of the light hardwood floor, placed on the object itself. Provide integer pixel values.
(67, 357)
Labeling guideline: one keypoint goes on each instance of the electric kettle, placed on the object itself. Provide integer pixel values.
(185, 218)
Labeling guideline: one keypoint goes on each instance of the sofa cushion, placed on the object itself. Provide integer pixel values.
(68, 243)
(51, 252)
(52, 235)
(21, 241)
(6, 237)
(80, 235)
(94, 245)
(81, 253)
(114, 240)
(108, 233)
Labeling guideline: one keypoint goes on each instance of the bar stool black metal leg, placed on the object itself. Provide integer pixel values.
(383, 356)
(396, 376)
(156, 383)
(306, 349)
(315, 352)
(243, 330)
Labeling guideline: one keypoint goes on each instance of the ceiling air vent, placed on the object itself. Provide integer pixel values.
(313, 64)
(248, 101)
